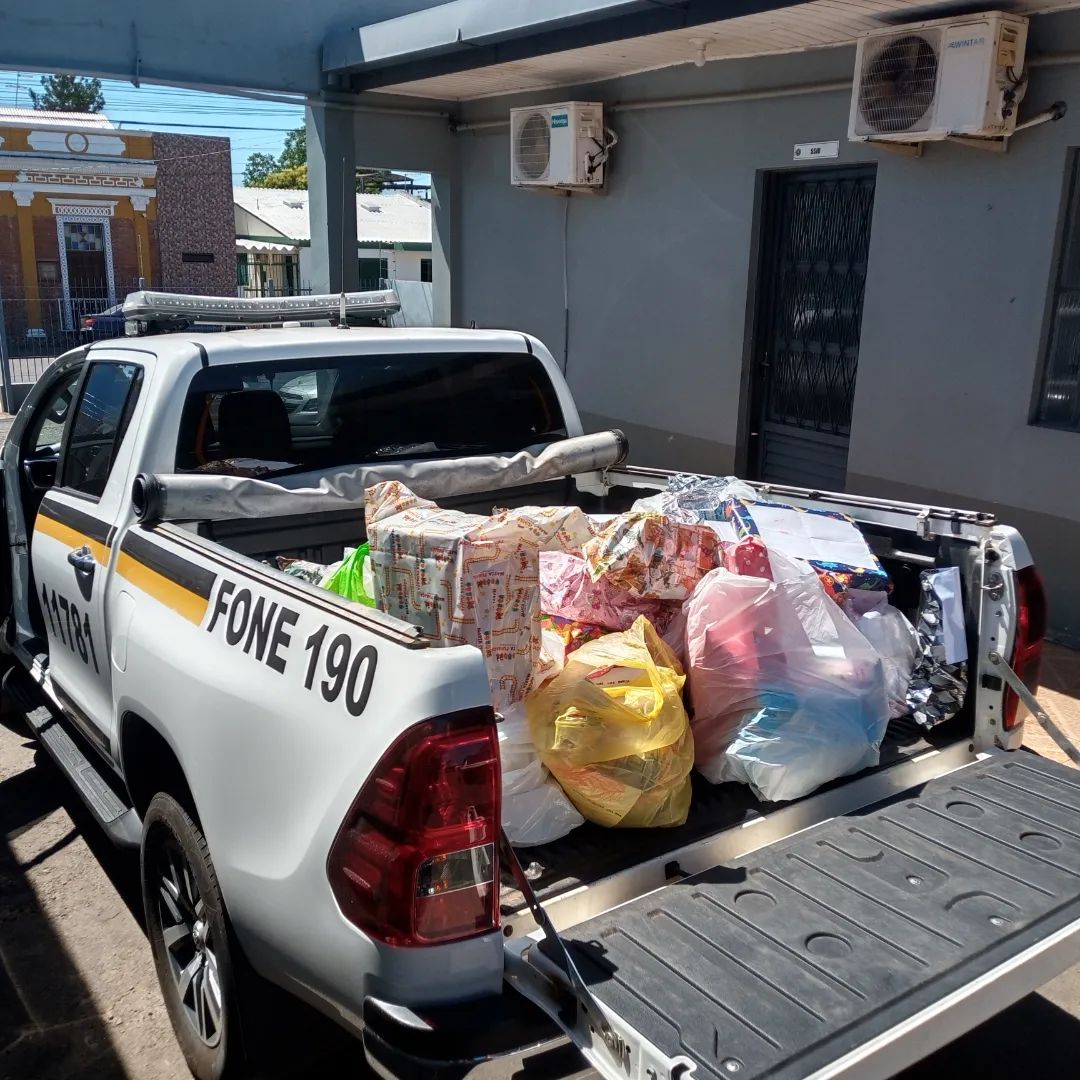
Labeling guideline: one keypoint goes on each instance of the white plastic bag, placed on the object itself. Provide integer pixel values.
(535, 809)
(894, 638)
(795, 743)
(787, 694)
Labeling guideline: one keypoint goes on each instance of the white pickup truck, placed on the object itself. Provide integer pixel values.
(315, 788)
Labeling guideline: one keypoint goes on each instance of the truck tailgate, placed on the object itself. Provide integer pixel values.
(853, 948)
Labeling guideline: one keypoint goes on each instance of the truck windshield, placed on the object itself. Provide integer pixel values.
(262, 419)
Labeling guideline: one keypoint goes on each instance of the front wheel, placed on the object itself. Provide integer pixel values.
(189, 937)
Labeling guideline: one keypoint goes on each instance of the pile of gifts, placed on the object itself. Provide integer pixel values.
(705, 628)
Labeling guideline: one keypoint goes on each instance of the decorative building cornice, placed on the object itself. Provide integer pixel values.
(27, 190)
(83, 208)
(41, 163)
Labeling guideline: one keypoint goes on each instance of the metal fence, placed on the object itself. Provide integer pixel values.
(38, 326)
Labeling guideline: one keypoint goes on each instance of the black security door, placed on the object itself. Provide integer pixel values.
(816, 234)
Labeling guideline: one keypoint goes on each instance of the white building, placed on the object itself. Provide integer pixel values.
(273, 235)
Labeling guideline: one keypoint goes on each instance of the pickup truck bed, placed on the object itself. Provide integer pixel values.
(591, 852)
(822, 947)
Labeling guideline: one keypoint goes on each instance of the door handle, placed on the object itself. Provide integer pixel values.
(83, 560)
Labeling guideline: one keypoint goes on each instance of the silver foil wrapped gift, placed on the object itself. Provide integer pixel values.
(939, 680)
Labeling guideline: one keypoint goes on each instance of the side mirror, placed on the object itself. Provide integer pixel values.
(40, 474)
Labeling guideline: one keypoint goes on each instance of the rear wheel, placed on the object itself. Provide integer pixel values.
(190, 939)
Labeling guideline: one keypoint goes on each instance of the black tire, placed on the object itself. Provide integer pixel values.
(195, 968)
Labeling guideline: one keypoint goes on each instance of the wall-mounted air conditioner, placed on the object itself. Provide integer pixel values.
(562, 146)
(959, 76)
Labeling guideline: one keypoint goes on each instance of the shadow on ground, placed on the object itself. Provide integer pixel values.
(48, 1024)
(1034, 1038)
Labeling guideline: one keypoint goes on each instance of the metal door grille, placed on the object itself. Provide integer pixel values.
(813, 277)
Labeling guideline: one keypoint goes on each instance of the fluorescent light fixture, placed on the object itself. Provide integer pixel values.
(158, 307)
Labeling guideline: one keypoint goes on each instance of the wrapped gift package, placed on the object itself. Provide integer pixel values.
(568, 591)
(466, 579)
(939, 681)
(651, 557)
(829, 541)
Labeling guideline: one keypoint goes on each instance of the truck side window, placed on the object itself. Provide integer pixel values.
(47, 427)
(101, 418)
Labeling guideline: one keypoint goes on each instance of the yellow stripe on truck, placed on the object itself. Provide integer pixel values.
(183, 601)
(65, 534)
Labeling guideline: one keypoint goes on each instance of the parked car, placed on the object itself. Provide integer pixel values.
(105, 324)
(315, 790)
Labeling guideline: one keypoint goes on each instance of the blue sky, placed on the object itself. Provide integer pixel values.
(251, 125)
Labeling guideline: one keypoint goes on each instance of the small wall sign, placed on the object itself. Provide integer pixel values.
(812, 151)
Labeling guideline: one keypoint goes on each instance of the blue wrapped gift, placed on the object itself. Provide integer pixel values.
(830, 541)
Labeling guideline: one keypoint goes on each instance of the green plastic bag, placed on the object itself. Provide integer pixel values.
(348, 579)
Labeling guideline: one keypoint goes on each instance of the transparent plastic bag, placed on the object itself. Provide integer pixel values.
(778, 674)
(896, 642)
(352, 577)
(691, 499)
(612, 729)
(535, 809)
(794, 743)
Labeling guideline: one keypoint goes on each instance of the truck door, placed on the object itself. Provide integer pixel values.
(71, 549)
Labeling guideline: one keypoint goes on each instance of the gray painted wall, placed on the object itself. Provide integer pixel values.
(659, 271)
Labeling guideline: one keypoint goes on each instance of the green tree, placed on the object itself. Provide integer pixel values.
(294, 177)
(68, 93)
(258, 168)
(294, 152)
(290, 168)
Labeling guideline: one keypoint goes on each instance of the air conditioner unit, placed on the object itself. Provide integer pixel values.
(561, 146)
(930, 80)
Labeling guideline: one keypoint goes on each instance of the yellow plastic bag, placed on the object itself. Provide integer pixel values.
(612, 730)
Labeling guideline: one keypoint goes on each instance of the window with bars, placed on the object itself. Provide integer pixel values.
(373, 272)
(1057, 402)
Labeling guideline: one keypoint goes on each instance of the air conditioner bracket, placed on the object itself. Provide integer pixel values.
(995, 144)
(902, 148)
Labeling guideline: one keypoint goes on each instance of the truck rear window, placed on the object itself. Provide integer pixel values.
(297, 415)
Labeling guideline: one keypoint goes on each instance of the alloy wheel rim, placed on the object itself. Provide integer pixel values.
(189, 945)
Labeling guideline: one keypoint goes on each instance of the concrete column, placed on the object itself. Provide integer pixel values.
(446, 291)
(331, 152)
(28, 256)
(139, 204)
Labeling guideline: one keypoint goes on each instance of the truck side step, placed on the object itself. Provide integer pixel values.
(115, 816)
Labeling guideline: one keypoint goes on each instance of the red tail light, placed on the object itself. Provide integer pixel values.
(416, 860)
(1030, 631)
(88, 322)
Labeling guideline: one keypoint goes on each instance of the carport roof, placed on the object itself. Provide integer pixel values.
(469, 49)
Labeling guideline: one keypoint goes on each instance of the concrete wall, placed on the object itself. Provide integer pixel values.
(659, 272)
(402, 265)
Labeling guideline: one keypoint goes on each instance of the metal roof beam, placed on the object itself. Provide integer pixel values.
(465, 35)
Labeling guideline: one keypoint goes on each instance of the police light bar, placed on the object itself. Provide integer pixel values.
(163, 307)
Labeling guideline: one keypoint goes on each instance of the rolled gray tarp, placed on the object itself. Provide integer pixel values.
(200, 497)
